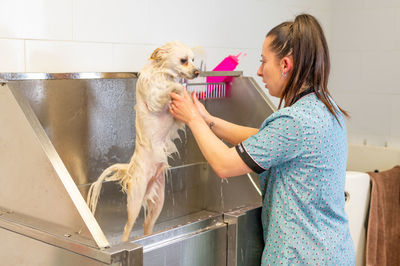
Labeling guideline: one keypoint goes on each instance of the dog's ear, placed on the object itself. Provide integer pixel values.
(158, 54)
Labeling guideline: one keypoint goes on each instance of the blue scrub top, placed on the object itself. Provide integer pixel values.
(300, 153)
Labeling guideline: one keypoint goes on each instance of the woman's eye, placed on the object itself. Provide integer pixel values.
(183, 61)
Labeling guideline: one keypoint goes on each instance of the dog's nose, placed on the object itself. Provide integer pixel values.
(196, 73)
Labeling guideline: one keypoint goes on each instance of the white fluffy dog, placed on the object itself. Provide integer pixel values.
(143, 179)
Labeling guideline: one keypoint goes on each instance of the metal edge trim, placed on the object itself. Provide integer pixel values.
(181, 230)
(231, 222)
(53, 235)
(46, 227)
(14, 76)
(231, 219)
(221, 73)
(241, 211)
(56, 240)
(178, 238)
(77, 75)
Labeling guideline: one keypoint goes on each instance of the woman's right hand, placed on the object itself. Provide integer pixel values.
(202, 110)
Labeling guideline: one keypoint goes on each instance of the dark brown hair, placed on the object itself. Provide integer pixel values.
(304, 39)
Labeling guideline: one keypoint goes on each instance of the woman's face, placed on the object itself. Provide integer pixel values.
(271, 70)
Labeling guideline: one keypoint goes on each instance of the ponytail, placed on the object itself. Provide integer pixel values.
(304, 40)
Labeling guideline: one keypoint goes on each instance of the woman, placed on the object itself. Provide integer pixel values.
(299, 152)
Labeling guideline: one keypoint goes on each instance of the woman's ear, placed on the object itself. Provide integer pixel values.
(286, 65)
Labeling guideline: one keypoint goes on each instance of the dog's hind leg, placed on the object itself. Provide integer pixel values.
(135, 194)
(155, 202)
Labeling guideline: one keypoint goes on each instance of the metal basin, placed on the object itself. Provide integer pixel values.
(72, 126)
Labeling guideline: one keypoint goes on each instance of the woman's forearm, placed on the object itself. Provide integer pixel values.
(225, 161)
(232, 133)
(217, 153)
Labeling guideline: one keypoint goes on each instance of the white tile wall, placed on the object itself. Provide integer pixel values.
(129, 57)
(345, 75)
(380, 72)
(346, 33)
(118, 21)
(365, 75)
(382, 3)
(12, 55)
(119, 35)
(307, 4)
(346, 5)
(62, 56)
(370, 113)
(133, 28)
(36, 19)
(369, 120)
(364, 29)
(394, 133)
(378, 27)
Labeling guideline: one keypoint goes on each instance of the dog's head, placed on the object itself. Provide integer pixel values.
(176, 58)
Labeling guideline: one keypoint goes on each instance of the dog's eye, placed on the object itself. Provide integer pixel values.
(184, 61)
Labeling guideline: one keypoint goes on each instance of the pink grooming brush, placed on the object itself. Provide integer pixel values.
(216, 86)
(228, 64)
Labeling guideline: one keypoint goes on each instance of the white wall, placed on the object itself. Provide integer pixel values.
(119, 35)
(365, 76)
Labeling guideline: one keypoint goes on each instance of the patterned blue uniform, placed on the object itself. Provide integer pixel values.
(300, 154)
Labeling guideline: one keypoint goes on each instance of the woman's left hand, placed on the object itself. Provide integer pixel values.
(183, 108)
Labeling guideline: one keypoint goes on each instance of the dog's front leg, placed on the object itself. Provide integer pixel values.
(159, 101)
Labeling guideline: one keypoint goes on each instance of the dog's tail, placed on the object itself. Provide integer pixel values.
(116, 172)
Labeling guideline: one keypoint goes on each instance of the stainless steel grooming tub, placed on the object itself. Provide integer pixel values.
(60, 131)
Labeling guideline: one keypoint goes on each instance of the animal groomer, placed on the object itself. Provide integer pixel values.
(299, 152)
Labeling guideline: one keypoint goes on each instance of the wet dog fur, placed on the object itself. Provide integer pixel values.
(143, 178)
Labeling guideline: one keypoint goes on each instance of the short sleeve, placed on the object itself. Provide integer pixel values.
(279, 141)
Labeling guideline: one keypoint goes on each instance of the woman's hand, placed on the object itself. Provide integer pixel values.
(184, 109)
(202, 110)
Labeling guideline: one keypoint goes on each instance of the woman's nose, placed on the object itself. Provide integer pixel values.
(259, 71)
